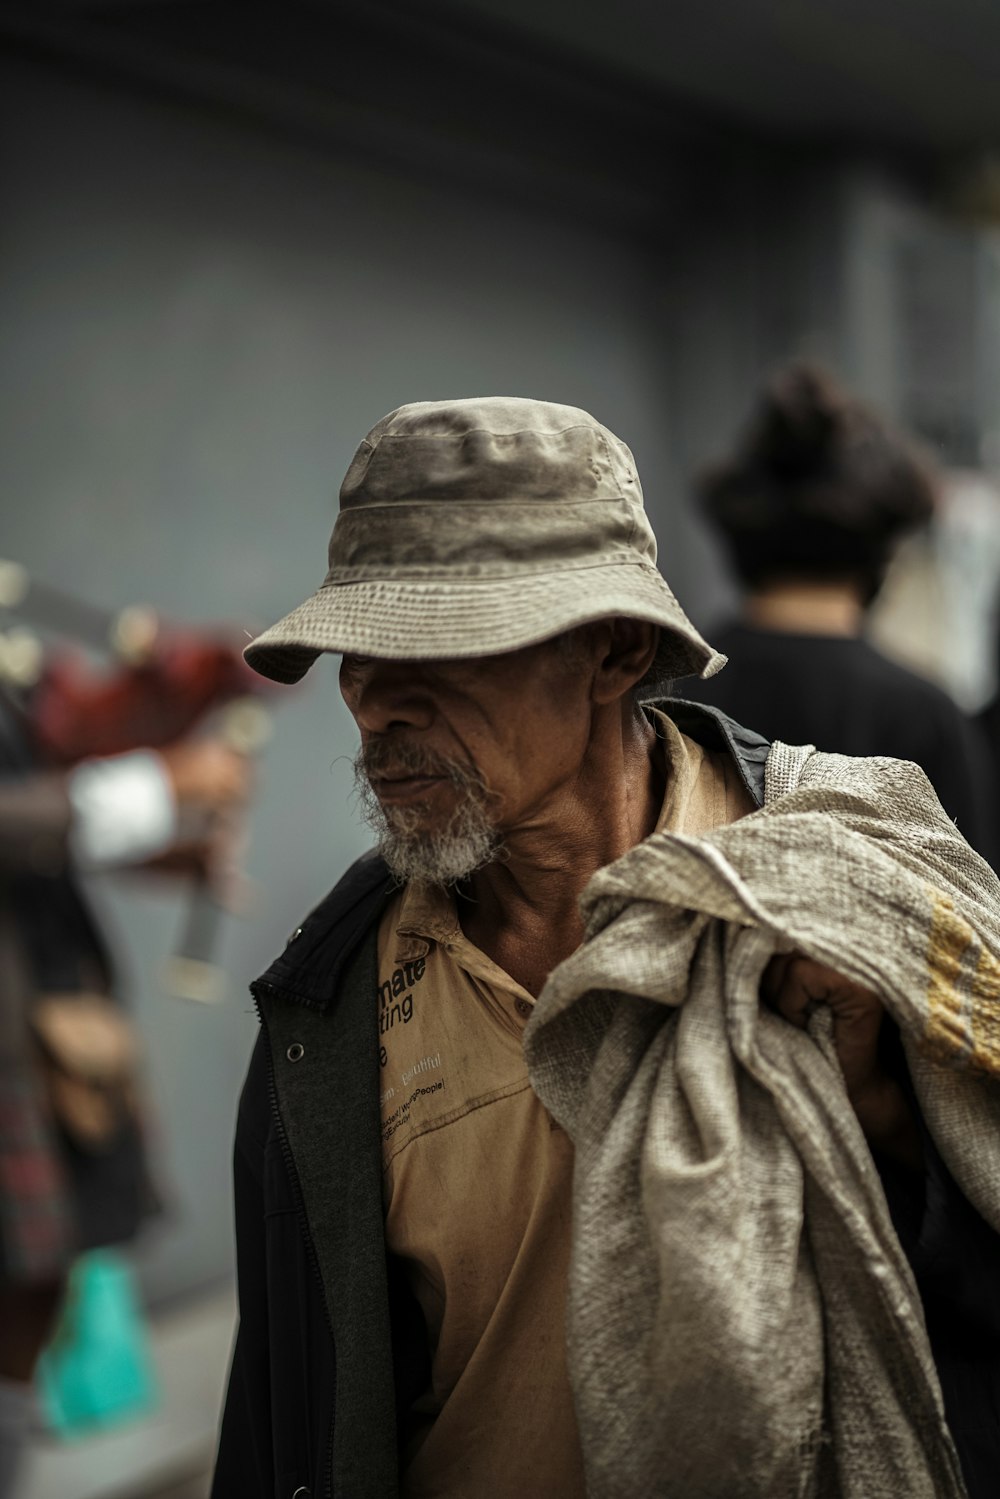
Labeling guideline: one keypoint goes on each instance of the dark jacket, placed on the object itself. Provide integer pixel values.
(331, 1342)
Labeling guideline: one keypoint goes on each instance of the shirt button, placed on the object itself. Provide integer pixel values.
(295, 1052)
(523, 1007)
(302, 1494)
(294, 937)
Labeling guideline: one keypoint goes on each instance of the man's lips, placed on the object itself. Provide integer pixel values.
(390, 788)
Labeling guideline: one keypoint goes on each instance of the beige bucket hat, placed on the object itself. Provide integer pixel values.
(471, 527)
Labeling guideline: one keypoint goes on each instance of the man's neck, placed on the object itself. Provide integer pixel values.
(523, 910)
(806, 609)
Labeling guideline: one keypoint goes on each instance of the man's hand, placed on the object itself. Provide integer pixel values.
(794, 985)
(207, 774)
(211, 782)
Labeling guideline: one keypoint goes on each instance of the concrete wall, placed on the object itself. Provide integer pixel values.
(200, 323)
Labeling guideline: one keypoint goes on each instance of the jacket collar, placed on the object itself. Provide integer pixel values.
(317, 951)
(716, 730)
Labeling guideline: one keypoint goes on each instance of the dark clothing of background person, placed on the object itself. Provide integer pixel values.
(842, 694)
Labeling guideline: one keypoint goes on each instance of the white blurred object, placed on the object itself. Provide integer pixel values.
(22, 655)
(125, 809)
(937, 612)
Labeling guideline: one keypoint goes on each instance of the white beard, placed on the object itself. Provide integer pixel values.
(441, 856)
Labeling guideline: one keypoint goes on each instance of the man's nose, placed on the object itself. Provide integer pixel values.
(383, 695)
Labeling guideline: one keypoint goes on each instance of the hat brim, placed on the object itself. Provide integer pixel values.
(426, 620)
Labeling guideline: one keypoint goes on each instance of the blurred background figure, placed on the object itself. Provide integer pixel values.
(74, 1174)
(810, 508)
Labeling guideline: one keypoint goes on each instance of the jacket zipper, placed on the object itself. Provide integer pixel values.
(300, 1210)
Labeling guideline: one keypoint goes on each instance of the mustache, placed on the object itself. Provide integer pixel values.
(405, 757)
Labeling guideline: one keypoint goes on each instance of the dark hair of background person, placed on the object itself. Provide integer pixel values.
(810, 506)
(820, 486)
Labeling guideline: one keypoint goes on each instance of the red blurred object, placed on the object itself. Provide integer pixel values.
(75, 711)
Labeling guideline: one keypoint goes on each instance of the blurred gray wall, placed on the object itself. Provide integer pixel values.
(201, 321)
(203, 314)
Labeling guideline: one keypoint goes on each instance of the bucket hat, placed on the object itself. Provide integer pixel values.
(473, 527)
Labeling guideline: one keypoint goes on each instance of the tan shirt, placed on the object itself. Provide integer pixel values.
(477, 1182)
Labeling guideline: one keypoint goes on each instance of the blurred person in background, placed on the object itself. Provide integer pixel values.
(73, 1172)
(533, 1196)
(810, 507)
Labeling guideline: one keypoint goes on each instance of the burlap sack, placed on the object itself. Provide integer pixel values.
(743, 1323)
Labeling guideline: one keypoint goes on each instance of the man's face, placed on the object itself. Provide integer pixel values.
(462, 757)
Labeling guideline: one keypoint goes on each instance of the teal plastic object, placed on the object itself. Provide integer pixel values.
(97, 1372)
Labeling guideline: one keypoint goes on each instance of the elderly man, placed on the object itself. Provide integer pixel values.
(414, 1208)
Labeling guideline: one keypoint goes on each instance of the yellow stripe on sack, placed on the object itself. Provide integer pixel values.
(947, 1034)
(962, 1027)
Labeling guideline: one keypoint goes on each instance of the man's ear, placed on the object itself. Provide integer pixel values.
(628, 649)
